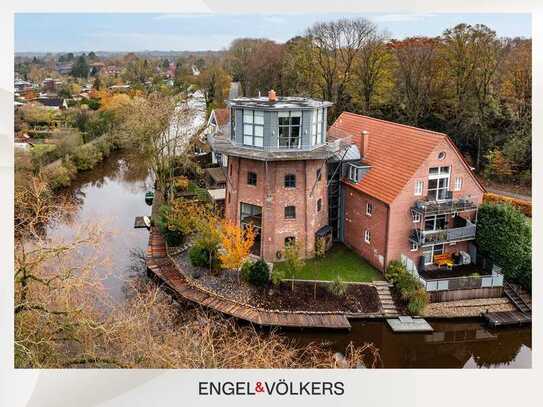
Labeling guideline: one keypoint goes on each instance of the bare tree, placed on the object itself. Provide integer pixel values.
(336, 45)
(416, 76)
(161, 126)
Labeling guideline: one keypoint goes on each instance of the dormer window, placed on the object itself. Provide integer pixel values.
(355, 173)
(290, 129)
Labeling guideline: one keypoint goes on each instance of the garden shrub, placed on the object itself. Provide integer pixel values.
(199, 256)
(276, 276)
(417, 301)
(524, 206)
(104, 147)
(86, 157)
(202, 256)
(338, 287)
(58, 177)
(259, 273)
(408, 286)
(504, 236)
(245, 270)
(320, 247)
(173, 237)
(394, 270)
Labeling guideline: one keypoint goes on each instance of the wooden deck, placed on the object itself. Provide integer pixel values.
(522, 301)
(166, 271)
(511, 318)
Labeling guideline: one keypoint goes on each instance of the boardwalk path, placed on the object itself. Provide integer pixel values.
(166, 270)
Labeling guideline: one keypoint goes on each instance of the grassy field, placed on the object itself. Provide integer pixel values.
(338, 261)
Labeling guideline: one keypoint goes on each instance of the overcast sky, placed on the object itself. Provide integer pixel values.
(62, 32)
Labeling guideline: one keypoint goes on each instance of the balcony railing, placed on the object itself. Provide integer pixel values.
(222, 144)
(431, 206)
(430, 237)
(460, 283)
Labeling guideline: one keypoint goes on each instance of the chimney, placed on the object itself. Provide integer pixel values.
(364, 142)
(272, 97)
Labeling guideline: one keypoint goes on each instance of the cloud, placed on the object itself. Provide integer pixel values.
(396, 18)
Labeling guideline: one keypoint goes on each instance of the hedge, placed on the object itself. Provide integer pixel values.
(504, 236)
(524, 206)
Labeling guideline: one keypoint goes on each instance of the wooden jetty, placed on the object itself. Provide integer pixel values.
(509, 318)
(165, 269)
(408, 324)
(521, 300)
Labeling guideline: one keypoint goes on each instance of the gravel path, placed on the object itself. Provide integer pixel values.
(467, 308)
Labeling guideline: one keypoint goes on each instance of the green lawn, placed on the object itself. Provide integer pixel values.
(338, 260)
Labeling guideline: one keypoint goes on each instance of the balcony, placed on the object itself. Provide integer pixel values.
(455, 234)
(430, 206)
(221, 143)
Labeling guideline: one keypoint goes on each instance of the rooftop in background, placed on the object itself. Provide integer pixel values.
(280, 103)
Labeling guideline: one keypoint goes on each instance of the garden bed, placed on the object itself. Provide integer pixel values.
(361, 298)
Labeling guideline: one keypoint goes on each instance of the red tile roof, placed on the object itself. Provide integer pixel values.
(395, 152)
(222, 116)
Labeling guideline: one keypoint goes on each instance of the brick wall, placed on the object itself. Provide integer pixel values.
(356, 221)
(401, 222)
(271, 194)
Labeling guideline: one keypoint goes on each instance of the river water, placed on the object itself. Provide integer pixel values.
(112, 195)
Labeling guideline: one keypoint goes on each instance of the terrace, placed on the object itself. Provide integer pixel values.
(461, 277)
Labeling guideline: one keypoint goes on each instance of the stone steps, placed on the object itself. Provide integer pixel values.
(388, 308)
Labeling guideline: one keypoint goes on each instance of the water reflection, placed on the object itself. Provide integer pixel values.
(111, 195)
(460, 344)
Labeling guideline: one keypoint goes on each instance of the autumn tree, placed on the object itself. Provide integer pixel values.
(214, 82)
(371, 69)
(336, 45)
(416, 76)
(237, 242)
(298, 76)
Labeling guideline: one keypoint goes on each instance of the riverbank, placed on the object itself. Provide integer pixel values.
(113, 194)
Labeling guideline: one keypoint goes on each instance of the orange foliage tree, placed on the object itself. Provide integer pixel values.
(236, 242)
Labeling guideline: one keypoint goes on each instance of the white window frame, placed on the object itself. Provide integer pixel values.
(432, 251)
(419, 187)
(458, 183)
(414, 246)
(317, 126)
(367, 236)
(290, 114)
(355, 173)
(369, 208)
(443, 174)
(253, 123)
(416, 217)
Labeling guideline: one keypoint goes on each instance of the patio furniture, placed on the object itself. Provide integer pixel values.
(444, 260)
